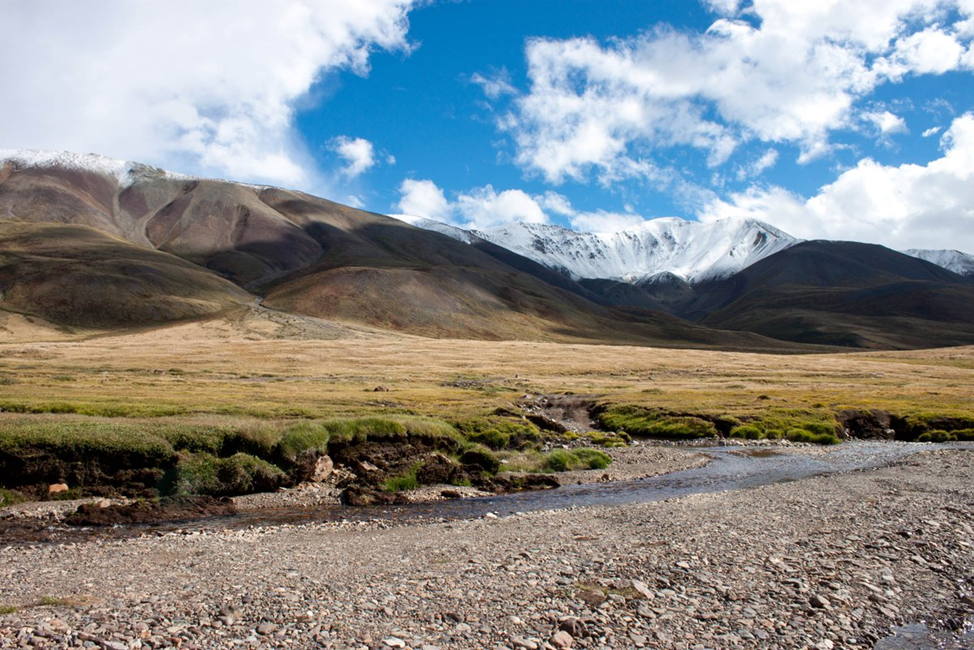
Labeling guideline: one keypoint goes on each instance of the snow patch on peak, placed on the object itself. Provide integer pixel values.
(952, 260)
(465, 236)
(123, 171)
(689, 250)
(692, 250)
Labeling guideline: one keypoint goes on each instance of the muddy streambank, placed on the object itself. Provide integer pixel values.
(84, 519)
(645, 474)
(837, 561)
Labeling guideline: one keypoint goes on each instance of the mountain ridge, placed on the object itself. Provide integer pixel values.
(300, 254)
(168, 246)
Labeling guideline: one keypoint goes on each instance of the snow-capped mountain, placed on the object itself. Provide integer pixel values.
(952, 260)
(689, 250)
(465, 236)
(124, 171)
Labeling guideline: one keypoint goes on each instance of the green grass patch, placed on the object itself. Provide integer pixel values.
(748, 432)
(404, 482)
(501, 433)
(801, 435)
(303, 437)
(10, 497)
(796, 425)
(642, 422)
(607, 439)
(113, 410)
(241, 473)
(7, 609)
(54, 601)
(566, 460)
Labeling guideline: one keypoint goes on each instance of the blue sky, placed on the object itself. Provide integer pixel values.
(826, 118)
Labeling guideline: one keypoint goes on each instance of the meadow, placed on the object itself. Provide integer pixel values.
(204, 387)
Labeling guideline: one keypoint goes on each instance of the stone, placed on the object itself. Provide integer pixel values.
(562, 639)
(57, 488)
(643, 589)
(820, 602)
(394, 642)
(324, 467)
(266, 628)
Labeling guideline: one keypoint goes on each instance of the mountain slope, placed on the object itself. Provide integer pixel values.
(298, 253)
(77, 275)
(689, 250)
(842, 293)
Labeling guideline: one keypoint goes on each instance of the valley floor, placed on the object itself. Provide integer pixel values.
(828, 562)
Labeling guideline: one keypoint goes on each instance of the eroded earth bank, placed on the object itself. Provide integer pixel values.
(827, 562)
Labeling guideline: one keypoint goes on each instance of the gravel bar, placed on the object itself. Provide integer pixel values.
(824, 563)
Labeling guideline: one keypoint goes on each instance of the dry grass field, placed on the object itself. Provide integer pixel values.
(231, 405)
(237, 368)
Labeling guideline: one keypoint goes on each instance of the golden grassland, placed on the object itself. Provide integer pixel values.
(211, 369)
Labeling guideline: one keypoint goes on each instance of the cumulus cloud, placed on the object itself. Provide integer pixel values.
(424, 199)
(200, 87)
(932, 131)
(905, 206)
(484, 208)
(885, 122)
(780, 72)
(358, 154)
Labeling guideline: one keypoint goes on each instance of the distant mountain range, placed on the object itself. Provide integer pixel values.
(91, 242)
(688, 250)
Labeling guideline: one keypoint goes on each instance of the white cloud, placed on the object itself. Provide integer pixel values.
(767, 160)
(931, 51)
(423, 199)
(932, 131)
(885, 122)
(723, 7)
(201, 87)
(484, 208)
(496, 85)
(905, 206)
(358, 154)
(793, 76)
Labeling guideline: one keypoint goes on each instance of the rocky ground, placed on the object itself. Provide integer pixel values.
(828, 562)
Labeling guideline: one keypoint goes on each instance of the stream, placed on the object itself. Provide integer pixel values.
(730, 468)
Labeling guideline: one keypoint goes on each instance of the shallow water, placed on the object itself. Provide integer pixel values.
(919, 637)
(730, 468)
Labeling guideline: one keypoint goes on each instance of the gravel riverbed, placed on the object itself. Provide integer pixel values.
(826, 562)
